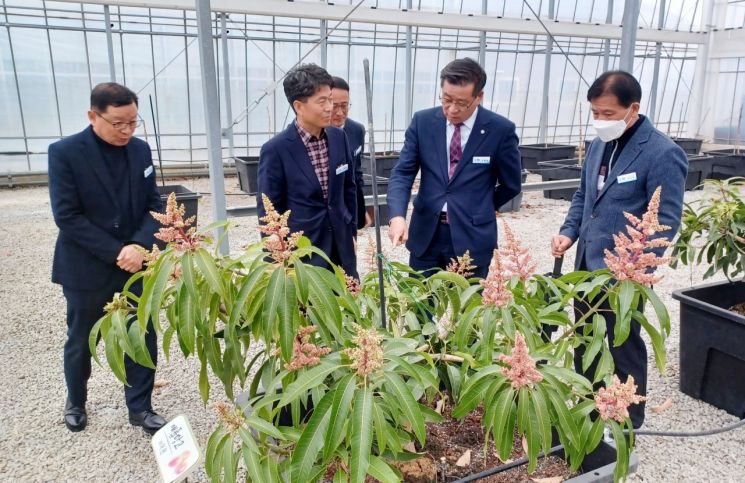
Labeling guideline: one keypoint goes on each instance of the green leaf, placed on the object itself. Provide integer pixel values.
(504, 418)
(115, 355)
(264, 427)
(209, 271)
(381, 426)
(566, 421)
(248, 284)
(453, 278)
(311, 441)
(287, 310)
(663, 316)
(381, 471)
(139, 346)
(622, 452)
(343, 395)
(301, 282)
(96, 333)
(407, 403)
(598, 336)
(594, 436)
(306, 380)
(251, 457)
(658, 342)
(213, 463)
(230, 463)
(186, 323)
(540, 408)
(362, 435)
(623, 318)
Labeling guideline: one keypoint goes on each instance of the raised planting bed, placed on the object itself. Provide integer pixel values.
(712, 345)
(689, 145)
(727, 163)
(248, 173)
(384, 162)
(532, 154)
(558, 170)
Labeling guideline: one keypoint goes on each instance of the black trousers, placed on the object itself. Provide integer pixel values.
(84, 308)
(440, 252)
(630, 358)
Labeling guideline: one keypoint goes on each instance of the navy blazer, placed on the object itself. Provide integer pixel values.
(287, 177)
(92, 228)
(649, 159)
(356, 137)
(473, 194)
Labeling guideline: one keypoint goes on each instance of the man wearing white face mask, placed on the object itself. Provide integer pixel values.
(624, 166)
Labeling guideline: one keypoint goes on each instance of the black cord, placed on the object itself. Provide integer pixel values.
(502, 468)
(688, 434)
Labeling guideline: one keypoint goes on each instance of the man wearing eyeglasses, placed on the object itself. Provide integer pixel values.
(102, 190)
(469, 165)
(356, 136)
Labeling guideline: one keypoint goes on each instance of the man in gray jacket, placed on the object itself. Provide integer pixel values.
(625, 164)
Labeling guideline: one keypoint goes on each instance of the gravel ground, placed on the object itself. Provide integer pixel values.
(36, 446)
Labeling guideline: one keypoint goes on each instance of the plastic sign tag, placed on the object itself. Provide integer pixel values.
(176, 449)
(481, 160)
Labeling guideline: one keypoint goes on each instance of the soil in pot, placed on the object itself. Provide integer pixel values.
(738, 309)
(449, 440)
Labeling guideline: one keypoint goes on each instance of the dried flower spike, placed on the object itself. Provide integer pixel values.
(613, 402)
(279, 241)
(630, 261)
(367, 357)
(462, 265)
(230, 416)
(304, 352)
(522, 371)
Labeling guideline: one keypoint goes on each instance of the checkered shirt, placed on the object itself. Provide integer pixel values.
(318, 152)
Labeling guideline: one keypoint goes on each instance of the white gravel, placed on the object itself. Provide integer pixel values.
(36, 446)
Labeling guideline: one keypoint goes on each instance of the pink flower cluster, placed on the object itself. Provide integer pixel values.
(522, 371)
(353, 285)
(304, 352)
(613, 402)
(367, 357)
(631, 262)
(279, 241)
(517, 258)
(510, 261)
(495, 284)
(462, 265)
(176, 231)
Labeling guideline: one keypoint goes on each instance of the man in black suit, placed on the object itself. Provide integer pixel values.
(308, 169)
(356, 136)
(102, 189)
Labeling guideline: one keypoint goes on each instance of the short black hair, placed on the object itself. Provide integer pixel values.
(340, 83)
(462, 72)
(111, 94)
(617, 83)
(304, 80)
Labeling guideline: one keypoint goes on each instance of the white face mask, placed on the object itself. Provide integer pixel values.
(610, 130)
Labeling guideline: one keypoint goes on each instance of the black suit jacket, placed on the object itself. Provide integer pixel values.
(92, 228)
(287, 177)
(356, 137)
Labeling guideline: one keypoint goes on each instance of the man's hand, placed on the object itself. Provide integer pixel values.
(398, 232)
(560, 244)
(130, 258)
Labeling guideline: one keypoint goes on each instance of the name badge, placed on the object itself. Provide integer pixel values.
(625, 178)
(358, 150)
(481, 160)
(342, 168)
(148, 171)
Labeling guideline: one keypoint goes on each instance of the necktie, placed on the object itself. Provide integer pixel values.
(456, 151)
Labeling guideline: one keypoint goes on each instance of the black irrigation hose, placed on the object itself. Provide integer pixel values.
(688, 434)
(502, 468)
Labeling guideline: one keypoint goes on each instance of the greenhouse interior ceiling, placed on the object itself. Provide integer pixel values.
(689, 56)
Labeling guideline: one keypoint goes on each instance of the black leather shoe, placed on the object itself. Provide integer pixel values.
(75, 417)
(148, 420)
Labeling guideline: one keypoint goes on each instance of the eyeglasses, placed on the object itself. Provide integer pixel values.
(459, 105)
(342, 107)
(122, 126)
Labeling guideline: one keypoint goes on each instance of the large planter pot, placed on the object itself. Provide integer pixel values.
(727, 163)
(384, 163)
(712, 345)
(699, 168)
(382, 189)
(597, 467)
(514, 204)
(184, 196)
(248, 173)
(689, 145)
(558, 170)
(532, 154)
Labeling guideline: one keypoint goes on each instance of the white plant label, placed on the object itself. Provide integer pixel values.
(176, 449)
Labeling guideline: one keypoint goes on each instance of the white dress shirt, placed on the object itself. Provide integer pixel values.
(465, 132)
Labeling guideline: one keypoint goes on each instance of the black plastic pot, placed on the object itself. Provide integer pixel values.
(689, 145)
(532, 154)
(384, 162)
(184, 196)
(699, 168)
(367, 187)
(557, 170)
(285, 414)
(712, 345)
(597, 467)
(726, 163)
(248, 173)
(514, 204)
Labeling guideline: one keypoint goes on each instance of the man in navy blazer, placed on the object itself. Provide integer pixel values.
(469, 165)
(102, 190)
(356, 137)
(308, 169)
(623, 168)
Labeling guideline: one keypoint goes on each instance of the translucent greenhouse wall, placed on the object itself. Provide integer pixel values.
(52, 53)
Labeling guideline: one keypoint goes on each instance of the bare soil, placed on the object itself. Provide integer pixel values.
(738, 309)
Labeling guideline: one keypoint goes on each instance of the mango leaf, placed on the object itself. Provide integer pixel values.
(565, 419)
(381, 471)
(186, 322)
(137, 341)
(343, 395)
(305, 381)
(115, 355)
(251, 457)
(407, 403)
(361, 435)
(311, 441)
(504, 418)
(663, 316)
(264, 427)
(658, 341)
(209, 271)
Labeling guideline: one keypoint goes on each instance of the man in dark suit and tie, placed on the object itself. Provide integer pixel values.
(102, 190)
(469, 165)
(356, 137)
(308, 169)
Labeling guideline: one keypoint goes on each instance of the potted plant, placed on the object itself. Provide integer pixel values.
(248, 173)
(336, 397)
(712, 316)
